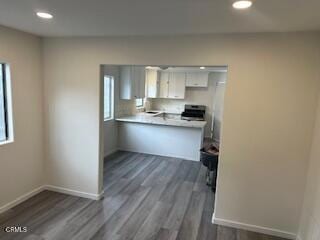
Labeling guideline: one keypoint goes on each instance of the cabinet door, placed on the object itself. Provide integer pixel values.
(202, 79)
(126, 82)
(164, 83)
(152, 82)
(138, 82)
(177, 85)
(197, 79)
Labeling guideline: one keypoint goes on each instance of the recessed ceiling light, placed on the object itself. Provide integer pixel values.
(243, 4)
(44, 15)
(202, 67)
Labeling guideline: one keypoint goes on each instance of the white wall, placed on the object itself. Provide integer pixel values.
(310, 219)
(194, 95)
(269, 112)
(22, 162)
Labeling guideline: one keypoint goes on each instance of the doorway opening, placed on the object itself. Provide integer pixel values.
(157, 119)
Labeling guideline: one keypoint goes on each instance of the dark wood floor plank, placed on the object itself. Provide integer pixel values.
(30, 213)
(183, 170)
(181, 202)
(15, 211)
(115, 160)
(140, 178)
(116, 187)
(200, 184)
(119, 169)
(41, 222)
(112, 177)
(207, 230)
(191, 221)
(210, 201)
(146, 160)
(110, 206)
(226, 233)
(53, 226)
(193, 172)
(153, 223)
(128, 164)
(169, 194)
(78, 221)
(170, 171)
(156, 174)
(166, 234)
(109, 160)
(131, 226)
(112, 226)
(33, 237)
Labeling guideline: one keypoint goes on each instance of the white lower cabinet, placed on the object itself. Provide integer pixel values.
(132, 82)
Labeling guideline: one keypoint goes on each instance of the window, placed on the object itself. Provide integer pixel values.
(108, 97)
(5, 110)
(139, 102)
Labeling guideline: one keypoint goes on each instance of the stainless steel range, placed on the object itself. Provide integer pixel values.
(194, 112)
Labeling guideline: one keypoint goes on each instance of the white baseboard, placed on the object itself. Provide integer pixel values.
(21, 199)
(74, 192)
(50, 188)
(254, 228)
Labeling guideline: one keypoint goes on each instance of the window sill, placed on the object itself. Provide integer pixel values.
(6, 142)
(108, 119)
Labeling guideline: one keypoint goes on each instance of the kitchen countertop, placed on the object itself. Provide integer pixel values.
(158, 119)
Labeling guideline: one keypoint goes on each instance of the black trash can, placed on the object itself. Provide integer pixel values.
(210, 160)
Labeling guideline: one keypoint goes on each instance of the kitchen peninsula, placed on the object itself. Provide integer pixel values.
(161, 134)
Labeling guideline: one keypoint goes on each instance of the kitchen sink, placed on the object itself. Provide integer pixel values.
(151, 112)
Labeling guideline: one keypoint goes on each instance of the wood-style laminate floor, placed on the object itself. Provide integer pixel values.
(146, 197)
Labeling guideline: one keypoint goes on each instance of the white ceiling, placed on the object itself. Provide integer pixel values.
(158, 17)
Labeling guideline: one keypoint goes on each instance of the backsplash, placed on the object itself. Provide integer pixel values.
(125, 108)
(128, 107)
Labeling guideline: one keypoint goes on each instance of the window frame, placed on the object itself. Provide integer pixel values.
(111, 98)
(142, 101)
(7, 103)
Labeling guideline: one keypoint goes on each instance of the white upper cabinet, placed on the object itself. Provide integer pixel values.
(172, 85)
(164, 85)
(197, 79)
(177, 85)
(132, 82)
(152, 83)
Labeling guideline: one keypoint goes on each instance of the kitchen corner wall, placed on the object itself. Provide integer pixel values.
(194, 95)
